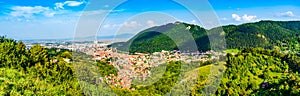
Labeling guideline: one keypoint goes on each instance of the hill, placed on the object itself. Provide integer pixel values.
(252, 71)
(35, 71)
(264, 72)
(41, 71)
(265, 34)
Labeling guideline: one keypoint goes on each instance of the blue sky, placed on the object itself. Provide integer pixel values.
(54, 19)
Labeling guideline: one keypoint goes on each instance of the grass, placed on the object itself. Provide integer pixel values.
(232, 51)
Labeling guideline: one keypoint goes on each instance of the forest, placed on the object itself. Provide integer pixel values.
(266, 34)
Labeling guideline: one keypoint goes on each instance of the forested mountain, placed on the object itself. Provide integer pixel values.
(265, 34)
(166, 37)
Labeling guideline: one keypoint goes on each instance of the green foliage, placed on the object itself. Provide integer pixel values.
(13, 54)
(253, 67)
(264, 34)
(32, 72)
(106, 69)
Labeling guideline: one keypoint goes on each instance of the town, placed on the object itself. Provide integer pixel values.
(133, 66)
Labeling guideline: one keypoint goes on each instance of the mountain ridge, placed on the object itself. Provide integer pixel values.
(266, 34)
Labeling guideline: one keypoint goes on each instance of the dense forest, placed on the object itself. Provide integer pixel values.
(261, 72)
(265, 34)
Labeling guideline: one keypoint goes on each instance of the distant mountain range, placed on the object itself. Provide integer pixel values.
(109, 37)
(90, 38)
(265, 34)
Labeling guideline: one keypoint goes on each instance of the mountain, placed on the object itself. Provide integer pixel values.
(172, 36)
(265, 34)
(118, 36)
(166, 37)
(108, 37)
(89, 38)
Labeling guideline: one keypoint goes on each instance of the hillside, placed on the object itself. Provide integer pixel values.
(35, 71)
(252, 71)
(41, 71)
(265, 34)
(265, 72)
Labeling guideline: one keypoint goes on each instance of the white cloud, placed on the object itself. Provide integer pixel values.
(29, 11)
(236, 17)
(60, 5)
(116, 25)
(245, 17)
(106, 26)
(193, 21)
(94, 12)
(49, 14)
(73, 3)
(131, 24)
(249, 18)
(97, 12)
(224, 19)
(286, 14)
(150, 23)
(121, 10)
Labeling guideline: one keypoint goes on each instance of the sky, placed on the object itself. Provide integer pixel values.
(60, 19)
